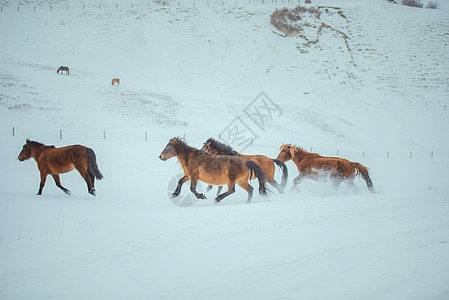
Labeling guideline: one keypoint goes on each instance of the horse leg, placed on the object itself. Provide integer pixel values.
(352, 186)
(179, 186)
(276, 186)
(247, 187)
(82, 169)
(336, 181)
(300, 178)
(43, 179)
(193, 182)
(219, 190)
(336, 178)
(210, 186)
(59, 185)
(231, 189)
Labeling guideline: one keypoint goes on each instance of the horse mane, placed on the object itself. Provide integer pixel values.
(302, 151)
(39, 144)
(221, 147)
(180, 142)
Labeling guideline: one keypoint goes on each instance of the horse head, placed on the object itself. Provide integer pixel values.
(27, 150)
(286, 152)
(209, 147)
(213, 146)
(174, 146)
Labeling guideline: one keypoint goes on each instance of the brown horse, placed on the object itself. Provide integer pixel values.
(63, 69)
(213, 146)
(213, 169)
(314, 166)
(54, 161)
(115, 81)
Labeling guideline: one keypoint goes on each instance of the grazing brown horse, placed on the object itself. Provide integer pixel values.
(63, 69)
(213, 146)
(314, 166)
(115, 81)
(54, 161)
(213, 169)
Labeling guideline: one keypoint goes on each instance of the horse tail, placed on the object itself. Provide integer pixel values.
(92, 164)
(363, 171)
(257, 171)
(284, 172)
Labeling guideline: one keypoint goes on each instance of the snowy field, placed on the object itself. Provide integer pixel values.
(189, 69)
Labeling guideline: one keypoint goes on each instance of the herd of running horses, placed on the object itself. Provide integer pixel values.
(215, 164)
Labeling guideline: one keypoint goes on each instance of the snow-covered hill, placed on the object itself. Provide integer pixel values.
(374, 83)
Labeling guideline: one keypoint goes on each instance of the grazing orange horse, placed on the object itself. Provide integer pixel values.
(62, 68)
(266, 164)
(115, 81)
(213, 169)
(314, 166)
(54, 161)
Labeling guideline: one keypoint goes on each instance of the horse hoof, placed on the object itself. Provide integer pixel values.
(68, 192)
(202, 197)
(174, 195)
(92, 193)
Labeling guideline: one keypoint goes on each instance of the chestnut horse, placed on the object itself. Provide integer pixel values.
(54, 161)
(213, 146)
(62, 68)
(213, 169)
(314, 166)
(115, 81)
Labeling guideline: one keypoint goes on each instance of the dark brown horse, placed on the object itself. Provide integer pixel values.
(213, 169)
(266, 164)
(63, 69)
(314, 166)
(54, 161)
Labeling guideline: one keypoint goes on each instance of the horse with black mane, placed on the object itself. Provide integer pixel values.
(314, 166)
(213, 169)
(54, 161)
(266, 164)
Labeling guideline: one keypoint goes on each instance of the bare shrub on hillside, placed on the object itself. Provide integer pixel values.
(284, 19)
(412, 3)
(433, 5)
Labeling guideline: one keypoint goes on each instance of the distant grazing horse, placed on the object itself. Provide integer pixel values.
(314, 166)
(213, 169)
(63, 69)
(266, 164)
(115, 81)
(54, 161)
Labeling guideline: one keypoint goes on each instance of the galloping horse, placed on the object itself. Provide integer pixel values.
(266, 164)
(115, 81)
(213, 169)
(314, 166)
(54, 161)
(62, 68)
